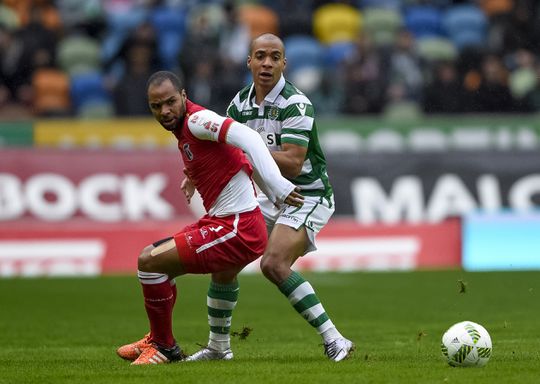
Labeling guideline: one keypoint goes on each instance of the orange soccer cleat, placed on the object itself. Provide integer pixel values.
(132, 351)
(158, 355)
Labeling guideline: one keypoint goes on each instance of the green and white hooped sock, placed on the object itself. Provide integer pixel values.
(302, 297)
(221, 301)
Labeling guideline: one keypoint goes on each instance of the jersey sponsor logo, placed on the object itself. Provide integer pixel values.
(187, 151)
(247, 112)
(273, 113)
(301, 108)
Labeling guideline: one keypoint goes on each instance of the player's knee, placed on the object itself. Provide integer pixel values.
(146, 262)
(273, 268)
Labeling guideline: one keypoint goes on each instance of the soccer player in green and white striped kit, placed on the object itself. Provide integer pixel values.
(284, 117)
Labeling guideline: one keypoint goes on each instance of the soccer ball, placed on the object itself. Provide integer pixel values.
(466, 344)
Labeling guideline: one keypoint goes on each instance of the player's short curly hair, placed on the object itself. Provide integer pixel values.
(160, 76)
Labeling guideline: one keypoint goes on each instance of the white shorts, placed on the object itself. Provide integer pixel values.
(314, 215)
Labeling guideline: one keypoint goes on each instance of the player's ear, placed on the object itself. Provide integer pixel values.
(249, 62)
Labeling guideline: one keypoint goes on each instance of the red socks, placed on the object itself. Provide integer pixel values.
(159, 298)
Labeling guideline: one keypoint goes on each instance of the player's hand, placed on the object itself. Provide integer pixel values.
(188, 188)
(295, 198)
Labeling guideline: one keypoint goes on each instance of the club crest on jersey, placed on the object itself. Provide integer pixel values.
(273, 113)
(187, 151)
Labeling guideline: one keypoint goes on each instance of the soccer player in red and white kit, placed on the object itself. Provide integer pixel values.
(221, 158)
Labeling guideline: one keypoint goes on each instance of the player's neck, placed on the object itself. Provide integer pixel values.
(261, 93)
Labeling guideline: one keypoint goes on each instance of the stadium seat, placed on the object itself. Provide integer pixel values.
(96, 109)
(170, 26)
(21, 8)
(119, 25)
(382, 24)
(336, 22)
(307, 79)
(213, 14)
(465, 25)
(88, 89)
(433, 49)
(423, 20)
(79, 54)
(305, 61)
(259, 19)
(496, 7)
(303, 51)
(389, 4)
(8, 17)
(51, 92)
(336, 53)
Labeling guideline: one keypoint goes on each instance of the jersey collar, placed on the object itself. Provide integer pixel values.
(272, 95)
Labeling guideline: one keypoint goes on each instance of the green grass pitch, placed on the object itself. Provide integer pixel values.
(67, 330)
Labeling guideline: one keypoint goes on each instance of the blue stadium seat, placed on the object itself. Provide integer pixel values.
(170, 25)
(336, 53)
(392, 4)
(423, 20)
(119, 25)
(88, 88)
(466, 25)
(303, 51)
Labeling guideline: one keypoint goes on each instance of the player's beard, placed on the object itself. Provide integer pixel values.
(170, 126)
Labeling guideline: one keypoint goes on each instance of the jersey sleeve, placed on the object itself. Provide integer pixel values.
(297, 123)
(208, 125)
(232, 110)
(266, 172)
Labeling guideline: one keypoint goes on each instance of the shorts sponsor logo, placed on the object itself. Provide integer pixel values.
(290, 217)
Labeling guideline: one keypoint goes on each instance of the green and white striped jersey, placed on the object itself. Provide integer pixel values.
(286, 116)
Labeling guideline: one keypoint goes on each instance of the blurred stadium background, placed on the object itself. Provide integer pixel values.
(428, 113)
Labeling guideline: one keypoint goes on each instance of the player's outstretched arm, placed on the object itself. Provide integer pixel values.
(266, 172)
(208, 125)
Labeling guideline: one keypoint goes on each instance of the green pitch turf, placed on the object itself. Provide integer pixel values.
(67, 330)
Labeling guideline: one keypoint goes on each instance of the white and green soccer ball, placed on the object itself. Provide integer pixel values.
(466, 344)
